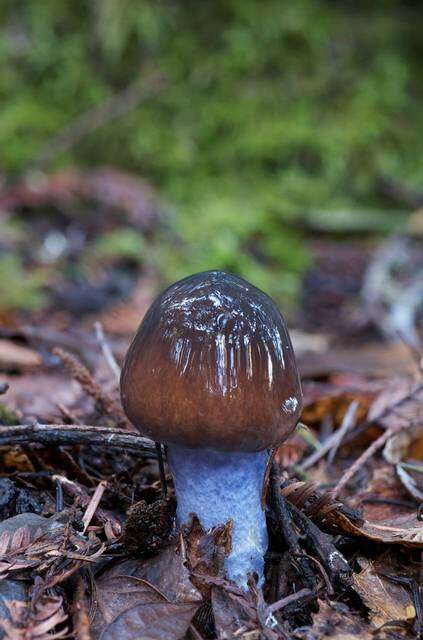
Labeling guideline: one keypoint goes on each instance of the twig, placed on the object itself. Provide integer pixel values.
(281, 511)
(379, 442)
(284, 521)
(90, 503)
(107, 352)
(366, 455)
(163, 480)
(93, 504)
(81, 374)
(329, 442)
(72, 434)
(320, 453)
(111, 109)
(293, 597)
(348, 422)
(59, 497)
(320, 544)
(81, 617)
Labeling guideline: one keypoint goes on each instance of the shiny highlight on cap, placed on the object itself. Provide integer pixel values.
(212, 367)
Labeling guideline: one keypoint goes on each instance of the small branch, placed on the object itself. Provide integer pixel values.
(281, 510)
(348, 422)
(331, 441)
(81, 616)
(72, 434)
(320, 544)
(93, 504)
(365, 456)
(107, 352)
(293, 597)
(320, 453)
(163, 480)
(287, 527)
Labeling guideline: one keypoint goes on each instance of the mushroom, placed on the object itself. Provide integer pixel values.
(211, 373)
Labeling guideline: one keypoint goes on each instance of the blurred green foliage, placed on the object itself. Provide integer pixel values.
(124, 243)
(269, 111)
(20, 289)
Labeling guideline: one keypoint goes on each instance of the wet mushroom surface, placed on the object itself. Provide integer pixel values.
(211, 373)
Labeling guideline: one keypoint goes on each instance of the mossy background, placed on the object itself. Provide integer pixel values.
(269, 113)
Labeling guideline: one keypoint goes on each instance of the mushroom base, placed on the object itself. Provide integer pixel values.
(221, 486)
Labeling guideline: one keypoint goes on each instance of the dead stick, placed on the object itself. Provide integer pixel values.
(81, 617)
(107, 352)
(72, 434)
(332, 439)
(293, 597)
(366, 455)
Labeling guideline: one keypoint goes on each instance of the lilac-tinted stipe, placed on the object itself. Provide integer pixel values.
(222, 486)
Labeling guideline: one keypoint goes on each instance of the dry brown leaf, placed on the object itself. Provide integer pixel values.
(386, 600)
(16, 356)
(129, 607)
(383, 495)
(30, 541)
(230, 617)
(406, 530)
(32, 395)
(401, 402)
(334, 621)
(403, 529)
(36, 622)
(373, 360)
(402, 449)
(166, 571)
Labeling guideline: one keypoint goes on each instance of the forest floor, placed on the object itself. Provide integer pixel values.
(87, 545)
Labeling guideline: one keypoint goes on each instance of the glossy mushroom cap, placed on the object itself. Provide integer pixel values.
(212, 367)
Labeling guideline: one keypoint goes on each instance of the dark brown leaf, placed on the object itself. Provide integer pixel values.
(132, 608)
(166, 571)
(386, 600)
(230, 617)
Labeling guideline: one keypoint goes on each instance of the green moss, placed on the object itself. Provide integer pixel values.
(124, 243)
(20, 290)
(7, 416)
(270, 111)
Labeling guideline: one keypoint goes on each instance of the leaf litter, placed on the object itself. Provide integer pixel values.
(88, 547)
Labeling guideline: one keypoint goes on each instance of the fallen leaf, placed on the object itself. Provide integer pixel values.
(129, 607)
(22, 529)
(206, 551)
(11, 590)
(399, 451)
(401, 402)
(335, 621)
(331, 514)
(16, 356)
(166, 571)
(386, 600)
(31, 395)
(230, 617)
(383, 497)
(40, 620)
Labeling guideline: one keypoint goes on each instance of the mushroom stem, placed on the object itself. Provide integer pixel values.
(220, 486)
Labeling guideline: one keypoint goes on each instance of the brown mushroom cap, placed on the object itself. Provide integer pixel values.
(212, 367)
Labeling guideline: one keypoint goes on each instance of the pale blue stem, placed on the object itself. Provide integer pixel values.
(220, 486)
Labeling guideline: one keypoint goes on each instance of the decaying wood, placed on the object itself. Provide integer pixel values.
(73, 434)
